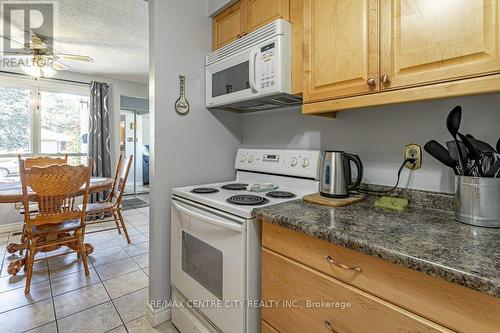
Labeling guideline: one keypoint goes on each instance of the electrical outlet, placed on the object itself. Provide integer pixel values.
(413, 150)
(18, 206)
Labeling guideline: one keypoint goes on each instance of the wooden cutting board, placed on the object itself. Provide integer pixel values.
(321, 200)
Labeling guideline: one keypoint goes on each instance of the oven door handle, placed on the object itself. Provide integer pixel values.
(251, 70)
(211, 220)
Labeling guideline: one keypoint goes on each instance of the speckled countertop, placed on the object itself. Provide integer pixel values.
(427, 240)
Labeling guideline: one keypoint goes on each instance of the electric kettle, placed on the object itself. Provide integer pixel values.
(335, 177)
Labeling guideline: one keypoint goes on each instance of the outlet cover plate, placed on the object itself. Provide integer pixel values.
(413, 150)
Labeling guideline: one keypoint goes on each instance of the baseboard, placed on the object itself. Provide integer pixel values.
(11, 227)
(158, 316)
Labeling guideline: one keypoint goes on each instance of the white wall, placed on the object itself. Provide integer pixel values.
(215, 6)
(192, 149)
(118, 87)
(378, 135)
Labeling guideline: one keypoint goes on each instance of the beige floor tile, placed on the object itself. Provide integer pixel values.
(132, 306)
(16, 298)
(98, 319)
(107, 256)
(130, 212)
(96, 238)
(119, 329)
(10, 282)
(116, 268)
(142, 260)
(126, 284)
(48, 328)
(100, 247)
(146, 271)
(135, 238)
(143, 228)
(73, 281)
(80, 299)
(136, 249)
(39, 313)
(142, 325)
(67, 267)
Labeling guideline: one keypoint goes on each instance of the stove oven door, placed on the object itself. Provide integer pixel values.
(208, 263)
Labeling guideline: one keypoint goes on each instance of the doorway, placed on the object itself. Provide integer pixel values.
(134, 140)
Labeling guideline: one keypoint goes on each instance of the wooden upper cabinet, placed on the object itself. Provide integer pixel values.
(261, 12)
(228, 25)
(246, 16)
(428, 41)
(340, 48)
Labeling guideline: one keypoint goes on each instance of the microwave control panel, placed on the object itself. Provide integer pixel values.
(268, 61)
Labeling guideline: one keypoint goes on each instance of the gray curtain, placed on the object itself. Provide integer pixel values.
(99, 139)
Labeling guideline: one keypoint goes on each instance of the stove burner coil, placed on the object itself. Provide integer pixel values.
(281, 194)
(204, 190)
(235, 187)
(247, 200)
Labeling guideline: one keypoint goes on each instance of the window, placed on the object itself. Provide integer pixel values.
(41, 118)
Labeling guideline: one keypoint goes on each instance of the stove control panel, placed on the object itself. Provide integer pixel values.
(298, 163)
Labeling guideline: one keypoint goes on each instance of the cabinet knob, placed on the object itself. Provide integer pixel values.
(329, 326)
(371, 82)
(238, 36)
(385, 78)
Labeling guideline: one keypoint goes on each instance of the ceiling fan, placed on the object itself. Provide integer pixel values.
(37, 59)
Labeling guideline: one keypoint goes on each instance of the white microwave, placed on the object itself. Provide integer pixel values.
(252, 73)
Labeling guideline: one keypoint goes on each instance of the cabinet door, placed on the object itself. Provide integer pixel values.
(261, 12)
(341, 48)
(427, 41)
(228, 25)
(297, 20)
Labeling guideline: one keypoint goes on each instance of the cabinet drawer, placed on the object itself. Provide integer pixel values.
(308, 301)
(446, 303)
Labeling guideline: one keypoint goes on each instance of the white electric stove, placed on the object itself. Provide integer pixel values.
(216, 240)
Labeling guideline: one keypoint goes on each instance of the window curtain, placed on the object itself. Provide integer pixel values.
(99, 136)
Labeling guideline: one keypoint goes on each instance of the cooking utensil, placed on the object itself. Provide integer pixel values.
(473, 153)
(498, 146)
(481, 146)
(452, 150)
(494, 170)
(436, 150)
(453, 125)
(335, 178)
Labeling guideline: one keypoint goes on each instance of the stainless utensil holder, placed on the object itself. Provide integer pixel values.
(477, 201)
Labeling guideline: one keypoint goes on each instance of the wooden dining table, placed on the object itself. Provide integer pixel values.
(12, 193)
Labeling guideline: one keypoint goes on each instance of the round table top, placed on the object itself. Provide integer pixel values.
(12, 192)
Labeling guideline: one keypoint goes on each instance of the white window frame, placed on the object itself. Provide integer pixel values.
(35, 87)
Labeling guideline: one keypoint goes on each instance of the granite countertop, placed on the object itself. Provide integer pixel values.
(426, 240)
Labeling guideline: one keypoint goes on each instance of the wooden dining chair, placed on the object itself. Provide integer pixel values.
(59, 221)
(42, 161)
(111, 206)
(39, 161)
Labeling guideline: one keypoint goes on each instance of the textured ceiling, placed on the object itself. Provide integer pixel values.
(113, 32)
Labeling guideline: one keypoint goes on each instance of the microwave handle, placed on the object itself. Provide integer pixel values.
(251, 69)
(210, 220)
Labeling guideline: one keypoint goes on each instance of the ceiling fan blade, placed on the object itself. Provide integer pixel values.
(59, 66)
(73, 57)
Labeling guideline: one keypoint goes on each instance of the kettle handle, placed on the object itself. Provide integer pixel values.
(359, 166)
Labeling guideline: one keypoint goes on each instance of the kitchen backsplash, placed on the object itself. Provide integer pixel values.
(378, 134)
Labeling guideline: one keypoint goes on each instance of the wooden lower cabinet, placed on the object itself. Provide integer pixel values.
(266, 328)
(309, 301)
(384, 297)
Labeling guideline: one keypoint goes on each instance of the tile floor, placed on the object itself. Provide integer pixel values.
(62, 299)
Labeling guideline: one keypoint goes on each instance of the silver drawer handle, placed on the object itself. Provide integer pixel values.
(329, 326)
(333, 262)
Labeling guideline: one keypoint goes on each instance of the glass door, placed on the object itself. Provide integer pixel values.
(134, 140)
